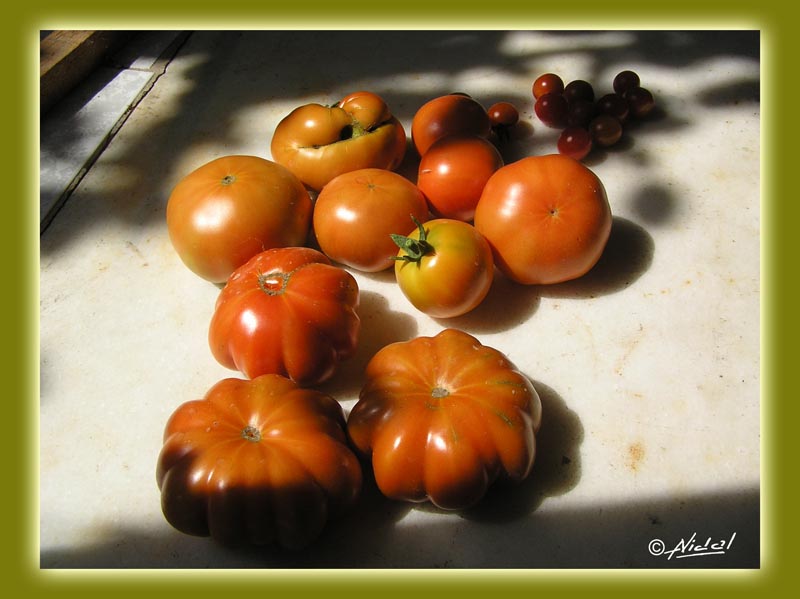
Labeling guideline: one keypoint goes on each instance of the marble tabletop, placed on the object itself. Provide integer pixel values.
(648, 367)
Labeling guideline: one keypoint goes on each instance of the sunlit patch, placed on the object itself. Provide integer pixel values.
(345, 214)
(213, 216)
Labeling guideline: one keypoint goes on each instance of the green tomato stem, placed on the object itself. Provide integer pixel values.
(415, 249)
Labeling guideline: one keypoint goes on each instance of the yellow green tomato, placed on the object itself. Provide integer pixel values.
(444, 267)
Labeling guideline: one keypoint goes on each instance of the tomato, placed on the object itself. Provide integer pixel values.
(444, 417)
(445, 268)
(547, 219)
(453, 114)
(452, 174)
(355, 214)
(228, 210)
(262, 461)
(503, 115)
(287, 311)
(318, 142)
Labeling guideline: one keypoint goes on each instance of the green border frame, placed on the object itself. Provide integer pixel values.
(20, 253)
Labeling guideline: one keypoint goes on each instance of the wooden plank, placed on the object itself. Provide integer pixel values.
(67, 57)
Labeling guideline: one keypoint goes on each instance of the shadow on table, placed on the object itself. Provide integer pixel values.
(230, 74)
(627, 256)
(603, 534)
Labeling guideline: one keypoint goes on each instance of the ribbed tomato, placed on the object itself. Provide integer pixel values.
(261, 462)
(288, 311)
(443, 417)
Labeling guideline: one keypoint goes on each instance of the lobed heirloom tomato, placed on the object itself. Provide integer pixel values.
(287, 311)
(228, 210)
(453, 114)
(355, 214)
(445, 268)
(453, 172)
(547, 219)
(261, 461)
(443, 417)
(318, 142)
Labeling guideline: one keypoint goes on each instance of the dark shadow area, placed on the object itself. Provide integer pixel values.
(627, 255)
(656, 204)
(732, 94)
(507, 305)
(603, 534)
(556, 469)
(380, 326)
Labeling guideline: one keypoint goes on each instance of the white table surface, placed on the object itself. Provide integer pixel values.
(648, 367)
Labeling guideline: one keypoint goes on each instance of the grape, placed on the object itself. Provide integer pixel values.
(546, 84)
(575, 142)
(580, 113)
(605, 130)
(624, 81)
(615, 105)
(640, 101)
(551, 109)
(579, 90)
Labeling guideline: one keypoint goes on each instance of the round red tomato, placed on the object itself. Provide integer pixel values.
(287, 311)
(263, 462)
(453, 114)
(228, 210)
(547, 219)
(355, 214)
(452, 174)
(443, 417)
(318, 143)
(444, 268)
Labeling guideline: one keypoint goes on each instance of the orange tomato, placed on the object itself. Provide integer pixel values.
(445, 267)
(356, 213)
(453, 172)
(259, 461)
(230, 209)
(318, 143)
(547, 219)
(443, 417)
(453, 114)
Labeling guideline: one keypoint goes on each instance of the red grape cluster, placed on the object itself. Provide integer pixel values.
(587, 120)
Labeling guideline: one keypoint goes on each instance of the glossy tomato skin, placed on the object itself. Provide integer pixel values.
(547, 219)
(262, 462)
(453, 114)
(228, 210)
(454, 277)
(453, 172)
(318, 143)
(443, 417)
(355, 214)
(287, 311)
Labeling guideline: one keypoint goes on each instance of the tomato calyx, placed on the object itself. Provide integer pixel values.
(251, 433)
(273, 283)
(415, 249)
